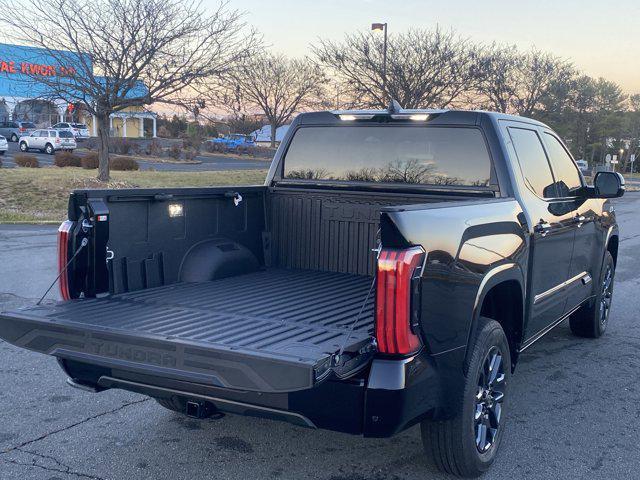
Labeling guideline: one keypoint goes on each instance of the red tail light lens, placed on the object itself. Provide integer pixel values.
(393, 300)
(64, 233)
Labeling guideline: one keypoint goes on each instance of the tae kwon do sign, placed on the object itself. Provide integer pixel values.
(35, 69)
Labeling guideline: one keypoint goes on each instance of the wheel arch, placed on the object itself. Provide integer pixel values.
(501, 298)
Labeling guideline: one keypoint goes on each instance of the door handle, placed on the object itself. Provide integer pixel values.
(542, 228)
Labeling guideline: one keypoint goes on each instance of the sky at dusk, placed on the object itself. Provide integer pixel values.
(601, 38)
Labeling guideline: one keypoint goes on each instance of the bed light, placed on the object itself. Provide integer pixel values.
(347, 118)
(176, 210)
(419, 117)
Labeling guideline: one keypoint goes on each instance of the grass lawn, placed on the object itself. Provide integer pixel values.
(40, 195)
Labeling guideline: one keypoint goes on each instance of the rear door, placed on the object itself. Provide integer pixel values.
(552, 229)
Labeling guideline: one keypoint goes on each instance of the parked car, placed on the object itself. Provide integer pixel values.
(583, 165)
(390, 272)
(234, 141)
(4, 146)
(81, 130)
(48, 141)
(14, 130)
(77, 129)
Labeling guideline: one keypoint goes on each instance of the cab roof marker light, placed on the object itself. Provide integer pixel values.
(416, 117)
(350, 117)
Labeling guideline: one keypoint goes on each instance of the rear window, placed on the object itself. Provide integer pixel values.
(80, 126)
(28, 125)
(65, 134)
(384, 154)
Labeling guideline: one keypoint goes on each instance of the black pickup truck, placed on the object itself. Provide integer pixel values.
(389, 272)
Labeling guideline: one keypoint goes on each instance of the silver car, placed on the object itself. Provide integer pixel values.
(48, 141)
(4, 146)
(13, 130)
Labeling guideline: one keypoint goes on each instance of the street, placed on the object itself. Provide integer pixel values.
(574, 409)
(209, 163)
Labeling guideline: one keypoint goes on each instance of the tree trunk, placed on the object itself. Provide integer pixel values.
(273, 135)
(102, 120)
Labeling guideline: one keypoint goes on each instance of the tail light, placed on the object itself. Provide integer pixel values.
(22, 129)
(64, 234)
(396, 269)
(57, 140)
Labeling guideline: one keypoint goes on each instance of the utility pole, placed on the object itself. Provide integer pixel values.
(383, 27)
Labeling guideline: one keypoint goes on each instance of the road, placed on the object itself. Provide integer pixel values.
(209, 162)
(574, 411)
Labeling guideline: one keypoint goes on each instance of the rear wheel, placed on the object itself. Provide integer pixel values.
(466, 445)
(23, 147)
(14, 137)
(591, 319)
(49, 149)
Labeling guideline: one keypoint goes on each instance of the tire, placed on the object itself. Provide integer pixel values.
(23, 147)
(14, 138)
(591, 319)
(466, 445)
(49, 150)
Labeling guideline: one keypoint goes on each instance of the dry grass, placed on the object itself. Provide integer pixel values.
(40, 195)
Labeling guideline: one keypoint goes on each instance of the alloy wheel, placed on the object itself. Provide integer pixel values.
(605, 296)
(489, 399)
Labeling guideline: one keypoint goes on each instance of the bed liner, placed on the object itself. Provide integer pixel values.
(272, 330)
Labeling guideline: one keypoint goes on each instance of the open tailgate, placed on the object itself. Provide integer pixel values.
(213, 333)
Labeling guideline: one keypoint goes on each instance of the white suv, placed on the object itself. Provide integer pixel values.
(79, 130)
(4, 146)
(48, 141)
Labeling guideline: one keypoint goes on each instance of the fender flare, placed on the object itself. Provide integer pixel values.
(498, 274)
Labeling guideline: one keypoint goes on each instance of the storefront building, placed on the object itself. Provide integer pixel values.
(22, 99)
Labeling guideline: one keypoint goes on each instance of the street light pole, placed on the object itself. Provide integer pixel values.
(383, 27)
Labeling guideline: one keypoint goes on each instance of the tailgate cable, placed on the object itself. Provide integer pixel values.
(83, 244)
(337, 358)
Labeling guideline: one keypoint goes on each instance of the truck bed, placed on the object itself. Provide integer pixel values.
(270, 330)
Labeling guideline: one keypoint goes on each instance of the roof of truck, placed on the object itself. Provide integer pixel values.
(470, 117)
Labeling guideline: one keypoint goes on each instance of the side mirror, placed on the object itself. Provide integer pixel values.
(608, 185)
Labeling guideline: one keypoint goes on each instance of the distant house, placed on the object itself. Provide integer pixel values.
(263, 135)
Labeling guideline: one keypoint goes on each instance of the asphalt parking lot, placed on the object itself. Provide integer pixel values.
(208, 162)
(574, 412)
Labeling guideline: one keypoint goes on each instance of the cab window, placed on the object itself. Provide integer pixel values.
(568, 180)
(533, 162)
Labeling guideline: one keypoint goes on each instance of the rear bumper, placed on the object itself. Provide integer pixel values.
(392, 396)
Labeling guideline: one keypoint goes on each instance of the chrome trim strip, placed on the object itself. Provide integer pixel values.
(215, 400)
(552, 290)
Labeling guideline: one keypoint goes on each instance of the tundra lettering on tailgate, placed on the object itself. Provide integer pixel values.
(134, 354)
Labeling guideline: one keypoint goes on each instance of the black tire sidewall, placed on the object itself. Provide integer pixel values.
(49, 149)
(23, 147)
(489, 335)
(14, 138)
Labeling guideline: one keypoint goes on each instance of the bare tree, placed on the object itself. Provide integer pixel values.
(515, 82)
(424, 68)
(117, 54)
(278, 87)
